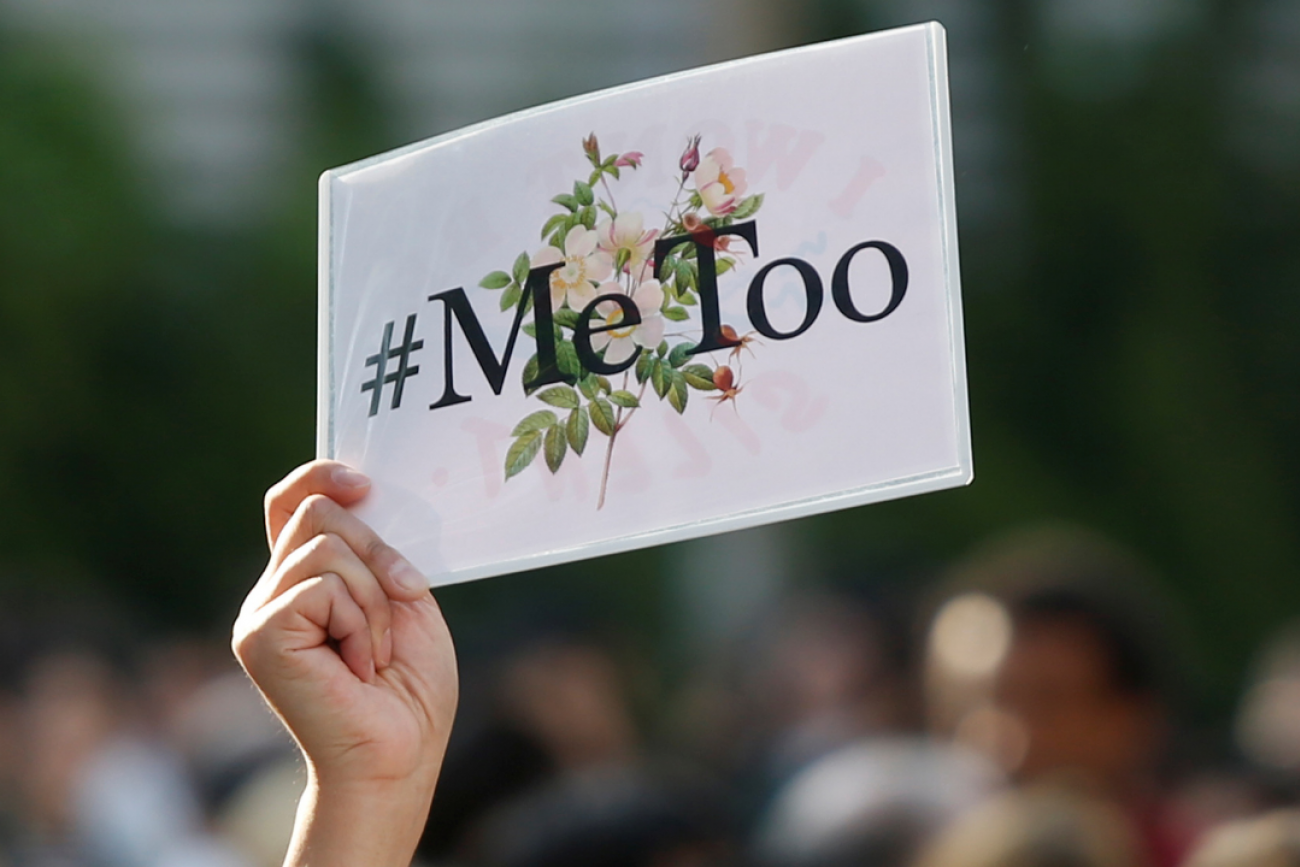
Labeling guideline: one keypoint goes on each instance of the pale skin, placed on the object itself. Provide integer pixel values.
(346, 643)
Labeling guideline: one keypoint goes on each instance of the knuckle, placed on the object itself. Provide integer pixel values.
(316, 508)
(379, 552)
(242, 641)
(323, 547)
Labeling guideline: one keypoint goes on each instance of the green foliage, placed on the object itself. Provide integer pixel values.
(1130, 336)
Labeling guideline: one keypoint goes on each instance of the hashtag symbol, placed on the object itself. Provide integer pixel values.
(396, 378)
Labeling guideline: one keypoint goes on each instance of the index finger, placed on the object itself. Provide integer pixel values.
(338, 481)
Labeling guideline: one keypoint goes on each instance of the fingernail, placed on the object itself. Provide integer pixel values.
(386, 649)
(407, 576)
(349, 478)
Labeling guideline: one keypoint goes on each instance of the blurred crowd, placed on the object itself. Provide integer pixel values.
(1028, 709)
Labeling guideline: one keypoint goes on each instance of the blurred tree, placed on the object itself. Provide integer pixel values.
(1134, 377)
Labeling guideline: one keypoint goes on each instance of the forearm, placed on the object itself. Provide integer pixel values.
(374, 824)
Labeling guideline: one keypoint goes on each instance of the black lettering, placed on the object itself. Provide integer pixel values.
(712, 338)
(458, 308)
(897, 276)
(812, 287)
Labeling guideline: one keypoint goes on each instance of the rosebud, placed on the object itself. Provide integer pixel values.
(692, 223)
(631, 158)
(591, 148)
(691, 156)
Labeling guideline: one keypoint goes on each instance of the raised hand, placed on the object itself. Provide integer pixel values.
(345, 641)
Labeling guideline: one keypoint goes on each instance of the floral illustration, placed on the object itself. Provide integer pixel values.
(600, 251)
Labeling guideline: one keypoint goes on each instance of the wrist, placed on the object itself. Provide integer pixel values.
(360, 821)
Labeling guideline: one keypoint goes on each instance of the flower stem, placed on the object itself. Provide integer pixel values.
(609, 455)
(604, 183)
(609, 448)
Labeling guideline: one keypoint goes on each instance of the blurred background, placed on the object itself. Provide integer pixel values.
(1090, 656)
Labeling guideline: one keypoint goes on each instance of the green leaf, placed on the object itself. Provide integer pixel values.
(747, 207)
(582, 192)
(530, 328)
(698, 377)
(588, 217)
(495, 280)
(577, 429)
(684, 275)
(566, 201)
(676, 314)
(680, 354)
(566, 356)
(565, 318)
(643, 362)
(594, 176)
(624, 398)
(604, 384)
(602, 416)
(531, 369)
(588, 386)
(540, 420)
(688, 298)
(606, 208)
(522, 264)
(677, 392)
(620, 259)
(659, 377)
(511, 296)
(696, 201)
(613, 170)
(725, 265)
(667, 268)
(561, 396)
(609, 161)
(557, 445)
(551, 224)
(662, 348)
(522, 452)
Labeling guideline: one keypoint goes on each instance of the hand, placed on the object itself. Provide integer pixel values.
(345, 641)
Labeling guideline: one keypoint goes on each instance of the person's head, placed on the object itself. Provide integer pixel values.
(1078, 682)
(1047, 657)
(1035, 827)
(1272, 840)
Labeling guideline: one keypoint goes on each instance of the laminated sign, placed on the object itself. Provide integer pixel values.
(691, 304)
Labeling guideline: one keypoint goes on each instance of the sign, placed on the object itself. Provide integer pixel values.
(691, 304)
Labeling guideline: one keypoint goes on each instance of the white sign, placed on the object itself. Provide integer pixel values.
(692, 304)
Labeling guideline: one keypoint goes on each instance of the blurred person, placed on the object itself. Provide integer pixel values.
(1271, 840)
(247, 773)
(626, 816)
(815, 676)
(100, 787)
(558, 711)
(568, 695)
(872, 803)
(1267, 725)
(1074, 693)
(1038, 826)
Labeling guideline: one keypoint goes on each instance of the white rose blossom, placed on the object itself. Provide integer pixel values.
(584, 267)
(620, 343)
